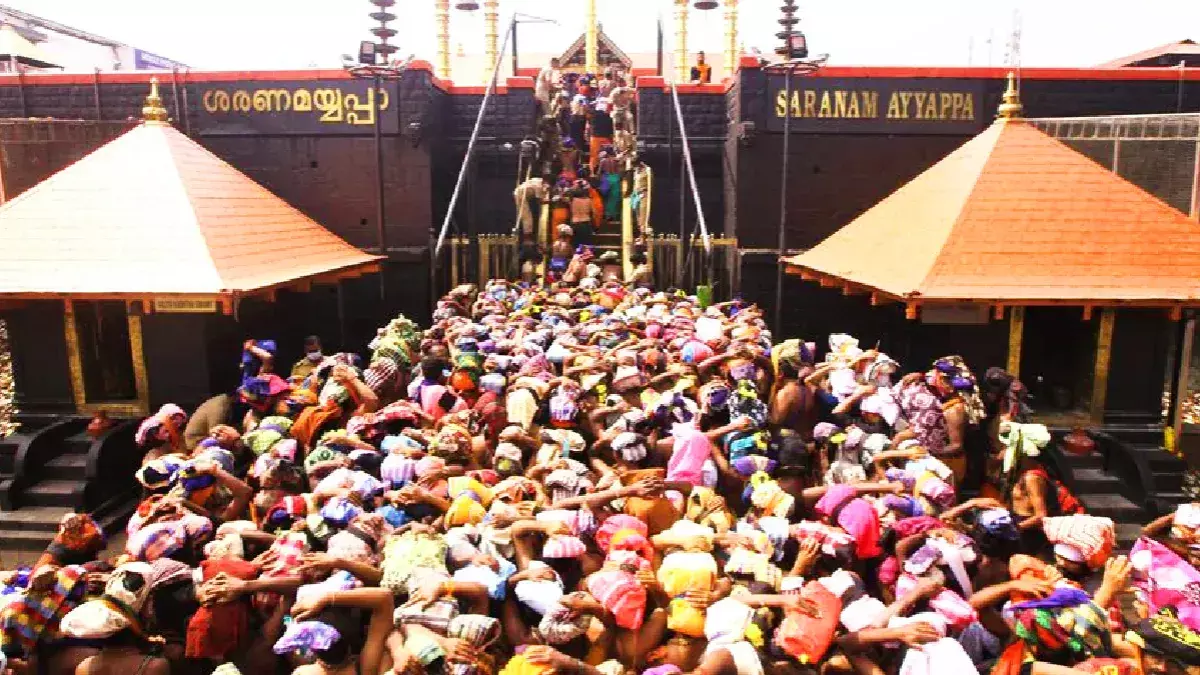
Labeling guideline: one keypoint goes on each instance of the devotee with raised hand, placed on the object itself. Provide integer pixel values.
(591, 477)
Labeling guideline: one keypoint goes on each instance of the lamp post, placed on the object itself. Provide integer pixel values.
(375, 63)
(793, 51)
(518, 19)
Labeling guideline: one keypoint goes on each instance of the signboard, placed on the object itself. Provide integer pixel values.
(185, 306)
(143, 60)
(303, 108)
(879, 105)
(964, 314)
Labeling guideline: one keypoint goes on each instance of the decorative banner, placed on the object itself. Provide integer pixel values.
(185, 306)
(144, 60)
(303, 108)
(879, 105)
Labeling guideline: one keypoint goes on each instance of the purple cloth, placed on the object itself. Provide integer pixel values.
(1061, 597)
(308, 635)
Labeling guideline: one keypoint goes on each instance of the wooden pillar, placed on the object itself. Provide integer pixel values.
(627, 232)
(141, 405)
(732, 53)
(137, 350)
(442, 18)
(1181, 385)
(74, 360)
(1016, 332)
(1108, 319)
(681, 53)
(592, 40)
(485, 254)
(491, 23)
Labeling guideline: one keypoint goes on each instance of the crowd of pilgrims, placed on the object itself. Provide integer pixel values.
(603, 479)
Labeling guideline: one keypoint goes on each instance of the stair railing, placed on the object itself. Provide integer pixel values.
(701, 221)
(462, 172)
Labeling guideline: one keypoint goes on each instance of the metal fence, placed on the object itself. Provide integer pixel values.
(1159, 153)
(474, 261)
(677, 267)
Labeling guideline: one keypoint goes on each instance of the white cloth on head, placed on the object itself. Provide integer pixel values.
(1187, 515)
(1069, 552)
(726, 621)
(941, 657)
(864, 612)
(843, 382)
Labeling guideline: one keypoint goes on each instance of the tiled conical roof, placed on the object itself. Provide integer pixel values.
(154, 213)
(1016, 216)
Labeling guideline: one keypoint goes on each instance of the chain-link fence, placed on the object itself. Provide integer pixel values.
(1160, 154)
(1155, 152)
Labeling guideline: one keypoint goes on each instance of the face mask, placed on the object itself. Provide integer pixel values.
(315, 357)
(883, 380)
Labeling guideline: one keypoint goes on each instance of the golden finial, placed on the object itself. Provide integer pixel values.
(154, 111)
(1010, 107)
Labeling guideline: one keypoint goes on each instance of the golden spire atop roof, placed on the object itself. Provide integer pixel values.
(1010, 107)
(154, 111)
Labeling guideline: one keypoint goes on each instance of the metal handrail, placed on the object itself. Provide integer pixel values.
(687, 159)
(462, 172)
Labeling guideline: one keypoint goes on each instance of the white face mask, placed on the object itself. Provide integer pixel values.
(315, 357)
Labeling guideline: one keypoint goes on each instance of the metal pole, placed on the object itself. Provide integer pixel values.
(658, 64)
(514, 48)
(670, 149)
(380, 225)
(487, 95)
(681, 268)
(691, 172)
(783, 201)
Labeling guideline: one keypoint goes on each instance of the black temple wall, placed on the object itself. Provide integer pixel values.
(38, 342)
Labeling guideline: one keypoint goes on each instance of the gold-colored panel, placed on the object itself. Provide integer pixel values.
(1016, 333)
(74, 360)
(138, 408)
(1104, 336)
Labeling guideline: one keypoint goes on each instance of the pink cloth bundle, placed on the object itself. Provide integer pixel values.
(616, 523)
(832, 539)
(1163, 579)
(690, 451)
(854, 515)
(563, 546)
(950, 605)
(621, 594)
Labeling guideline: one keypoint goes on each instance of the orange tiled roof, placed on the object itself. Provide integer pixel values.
(154, 213)
(1182, 48)
(1016, 216)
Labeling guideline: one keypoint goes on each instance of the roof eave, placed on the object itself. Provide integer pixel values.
(916, 297)
(351, 271)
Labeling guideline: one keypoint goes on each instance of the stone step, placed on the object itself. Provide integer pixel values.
(1168, 481)
(1093, 461)
(1173, 498)
(1095, 480)
(24, 540)
(1159, 459)
(52, 493)
(1112, 506)
(34, 518)
(67, 467)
